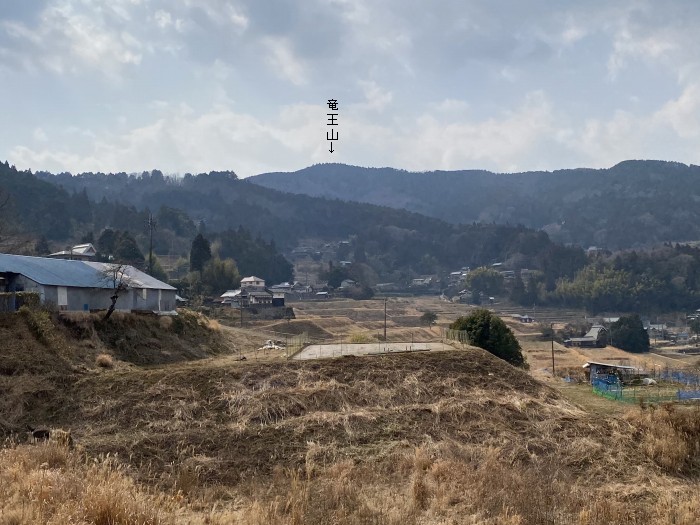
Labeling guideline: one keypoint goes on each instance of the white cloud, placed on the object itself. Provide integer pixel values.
(672, 132)
(501, 143)
(376, 97)
(628, 47)
(70, 33)
(282, 61)
(683, 113)
(469, 85)
(40, 135)
(163, 19)
(182, 140)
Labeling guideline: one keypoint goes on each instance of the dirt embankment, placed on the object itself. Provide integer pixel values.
(43, 354)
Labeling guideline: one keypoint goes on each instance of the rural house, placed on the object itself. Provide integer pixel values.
(252, 283)
(83, 285)
(596, 337)
(80, 252)
(253, 293)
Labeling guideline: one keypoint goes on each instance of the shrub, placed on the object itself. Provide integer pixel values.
(360, 338)
(489, 332)
(105, 361)
(429, 318)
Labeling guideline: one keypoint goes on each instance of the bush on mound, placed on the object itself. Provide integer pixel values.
(489, 332)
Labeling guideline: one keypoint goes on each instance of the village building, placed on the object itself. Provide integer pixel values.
(424, 280)
(79, 252)
(254, 293)
(596, 337)
(610, 372)
(455, 277)
(72, 285)
(252, 283)
(347, 283)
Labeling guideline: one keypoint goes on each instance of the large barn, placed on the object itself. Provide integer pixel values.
(84, 285)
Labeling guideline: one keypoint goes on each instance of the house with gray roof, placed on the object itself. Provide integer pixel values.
(79, 252)
(72, 285)
(596, 337)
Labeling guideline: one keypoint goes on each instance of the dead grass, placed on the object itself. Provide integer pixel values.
(47, 484)
(49, 352)
(418, 438)
(670, 435)
(104, 361)
(429, 438)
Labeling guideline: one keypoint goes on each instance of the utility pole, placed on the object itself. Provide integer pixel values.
(385, 319)
(551, 325)
(151, 225)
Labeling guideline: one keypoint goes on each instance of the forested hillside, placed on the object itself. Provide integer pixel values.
(632, 204)
(394, 243)
(252, 226)
(37, 217)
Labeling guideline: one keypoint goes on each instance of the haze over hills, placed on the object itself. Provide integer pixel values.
(632, 204)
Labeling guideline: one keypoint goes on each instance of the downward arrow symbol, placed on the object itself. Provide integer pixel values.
(331, 150)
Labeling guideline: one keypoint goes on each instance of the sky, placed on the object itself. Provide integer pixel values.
(200, 85)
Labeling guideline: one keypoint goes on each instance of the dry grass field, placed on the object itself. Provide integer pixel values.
(431, 438)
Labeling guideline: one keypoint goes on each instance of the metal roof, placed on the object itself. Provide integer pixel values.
(79, 249)
(611, 365)
(251, 279)
(78, 274)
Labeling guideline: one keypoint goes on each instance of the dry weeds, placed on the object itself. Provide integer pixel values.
(431, 438)
(104, 361)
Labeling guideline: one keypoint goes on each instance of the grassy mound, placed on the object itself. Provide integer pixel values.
(45, 353)
(414, 438)
(425, 438)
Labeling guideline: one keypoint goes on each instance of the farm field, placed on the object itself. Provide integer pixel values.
(454, 436)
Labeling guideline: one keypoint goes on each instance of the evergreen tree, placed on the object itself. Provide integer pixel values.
(107, 242)
(41, 248)
(629, 334)
(429, 318)
(200, 253)
(489, 332)
(127, 251)
(89, 237)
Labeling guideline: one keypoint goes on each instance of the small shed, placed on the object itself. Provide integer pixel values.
(595, 370)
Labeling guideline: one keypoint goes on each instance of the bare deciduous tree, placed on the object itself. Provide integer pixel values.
(115, 275)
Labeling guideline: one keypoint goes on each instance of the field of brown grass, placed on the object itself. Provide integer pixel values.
(431, 438)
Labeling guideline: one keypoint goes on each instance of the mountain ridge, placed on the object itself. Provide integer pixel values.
(536, 199)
